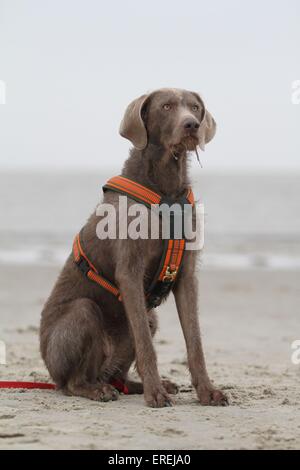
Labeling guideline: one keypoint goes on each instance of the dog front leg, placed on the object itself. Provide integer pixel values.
(186, 302)
(132, 292)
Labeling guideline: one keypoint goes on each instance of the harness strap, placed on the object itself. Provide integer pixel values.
(172, 261)
(134, 190)
(190, 197)
(167, 272)
(89, 269)
(138, 192)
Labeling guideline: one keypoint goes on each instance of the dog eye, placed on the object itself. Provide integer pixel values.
(167, 107)
(195, 107)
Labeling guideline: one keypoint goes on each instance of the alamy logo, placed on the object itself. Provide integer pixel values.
(295, 92)
(2, 92)
(295, 358)
(136, 221)
(2, 353)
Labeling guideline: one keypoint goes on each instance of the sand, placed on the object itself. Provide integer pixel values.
(249, 320)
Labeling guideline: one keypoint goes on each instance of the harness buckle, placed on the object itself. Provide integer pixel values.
(169, 276)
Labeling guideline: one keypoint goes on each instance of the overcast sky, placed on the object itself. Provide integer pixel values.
(71, 67)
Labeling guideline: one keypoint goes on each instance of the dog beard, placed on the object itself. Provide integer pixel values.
(187, 143)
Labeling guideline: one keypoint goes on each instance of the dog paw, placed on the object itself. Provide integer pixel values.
(170, 387)
(212, 397)
(158, 398)
(107, 392)
(99, 392)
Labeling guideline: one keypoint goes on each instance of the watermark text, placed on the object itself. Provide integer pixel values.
(164, 221)
(295, 357)
(2, 353)
(2, 92)
(295, 96)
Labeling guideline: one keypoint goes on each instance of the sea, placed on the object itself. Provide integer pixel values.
(252, 220)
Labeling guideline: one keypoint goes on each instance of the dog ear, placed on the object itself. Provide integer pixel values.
(132, 126)
(208, 125)
(207, 129)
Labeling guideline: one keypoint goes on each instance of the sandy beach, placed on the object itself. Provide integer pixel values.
(248, 318)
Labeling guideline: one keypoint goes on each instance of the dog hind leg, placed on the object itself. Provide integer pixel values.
(75, 349)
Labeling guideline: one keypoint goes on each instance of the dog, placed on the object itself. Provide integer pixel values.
(88, 338)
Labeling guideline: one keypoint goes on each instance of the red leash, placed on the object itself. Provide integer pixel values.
(120, 386)
(43, 385)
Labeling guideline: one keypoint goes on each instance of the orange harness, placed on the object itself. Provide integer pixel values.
(173, 248)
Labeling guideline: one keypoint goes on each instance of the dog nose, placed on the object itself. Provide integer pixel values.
(191, 124)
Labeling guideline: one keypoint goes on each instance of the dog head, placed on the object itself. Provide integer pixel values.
(169, 117)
